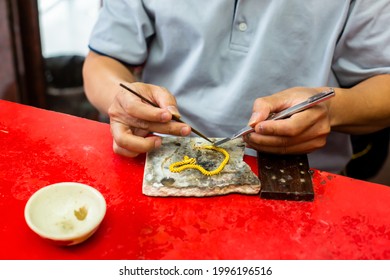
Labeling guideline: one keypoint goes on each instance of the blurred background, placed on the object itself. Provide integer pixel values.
(43, 44)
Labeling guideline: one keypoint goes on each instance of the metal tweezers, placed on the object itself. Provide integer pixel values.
(310, 102)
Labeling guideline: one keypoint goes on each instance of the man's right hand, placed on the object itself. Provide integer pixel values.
(132, 120)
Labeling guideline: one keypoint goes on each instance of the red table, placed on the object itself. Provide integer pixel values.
(349, 219)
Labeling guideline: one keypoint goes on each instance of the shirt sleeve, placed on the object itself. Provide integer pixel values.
(363, 49)
(122, 31)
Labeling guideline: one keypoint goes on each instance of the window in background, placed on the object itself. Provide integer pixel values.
(65, 25)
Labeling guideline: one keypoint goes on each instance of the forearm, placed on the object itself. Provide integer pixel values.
(363, 108)
(102, 76)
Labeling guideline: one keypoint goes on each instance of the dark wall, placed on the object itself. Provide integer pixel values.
(21, 61)
(8, 77)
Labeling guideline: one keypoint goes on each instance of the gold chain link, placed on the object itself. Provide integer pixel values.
(190, 163)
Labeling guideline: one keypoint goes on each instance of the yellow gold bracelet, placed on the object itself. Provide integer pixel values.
(190, 163)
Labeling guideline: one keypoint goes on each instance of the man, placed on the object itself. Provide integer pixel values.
(223, 63)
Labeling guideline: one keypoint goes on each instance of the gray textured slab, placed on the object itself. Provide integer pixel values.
(237, 177)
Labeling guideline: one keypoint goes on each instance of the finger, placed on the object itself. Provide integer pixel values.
(159, 96)
(165, 100)
(298, 123)
(297, 148)
(254, 139)
(288, 127)
(144, 127)
(122, 151)
(264, 106)
(129, 108)
(125, 139)
(290, 136)
(309, 139)
(171, 128)
(277, 102)
(136, 124)
(261, 110)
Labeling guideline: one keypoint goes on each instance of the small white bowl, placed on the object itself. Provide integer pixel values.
(67, 213)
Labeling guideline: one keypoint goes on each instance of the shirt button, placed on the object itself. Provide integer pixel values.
(242, 26)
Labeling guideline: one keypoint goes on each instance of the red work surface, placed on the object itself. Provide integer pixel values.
(349, 219)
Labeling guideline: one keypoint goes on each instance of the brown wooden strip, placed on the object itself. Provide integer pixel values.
(285, 177)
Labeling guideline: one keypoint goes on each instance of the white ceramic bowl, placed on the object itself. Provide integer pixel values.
(67, 213)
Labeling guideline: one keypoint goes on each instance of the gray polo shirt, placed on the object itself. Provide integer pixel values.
(218, 56)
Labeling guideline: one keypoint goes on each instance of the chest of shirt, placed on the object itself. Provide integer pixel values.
(241, 25)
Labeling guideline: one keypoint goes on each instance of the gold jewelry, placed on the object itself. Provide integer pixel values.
(190, 163)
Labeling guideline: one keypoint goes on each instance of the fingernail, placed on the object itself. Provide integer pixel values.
(157, 143)
(174, 111)
(165, 117)
(185, 131)
(261, 129)
(253, 119)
